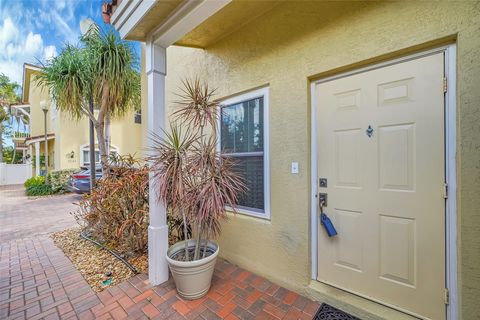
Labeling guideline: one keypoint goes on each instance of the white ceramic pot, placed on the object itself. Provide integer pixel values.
(192, 278)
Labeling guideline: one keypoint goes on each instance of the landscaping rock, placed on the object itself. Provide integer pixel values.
(94, 262)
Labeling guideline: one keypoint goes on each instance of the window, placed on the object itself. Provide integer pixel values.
(86, 157)
(138, 117)
(85, 154)
(244, 136)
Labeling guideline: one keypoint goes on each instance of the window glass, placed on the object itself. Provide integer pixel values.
(252, 170)
(242, 127)
(86, 156)
(242, 137)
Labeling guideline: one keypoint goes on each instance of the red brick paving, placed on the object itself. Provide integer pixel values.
(37, 281)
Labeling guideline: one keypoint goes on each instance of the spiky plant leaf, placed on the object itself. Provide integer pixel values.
(67, 77)
(196, 106)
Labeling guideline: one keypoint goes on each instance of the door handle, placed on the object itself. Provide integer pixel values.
(322, 199)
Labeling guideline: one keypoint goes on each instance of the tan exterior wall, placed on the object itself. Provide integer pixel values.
(37, 94)
(73, 134)
(296, 42)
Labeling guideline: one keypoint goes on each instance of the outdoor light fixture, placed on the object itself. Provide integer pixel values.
(44, 105)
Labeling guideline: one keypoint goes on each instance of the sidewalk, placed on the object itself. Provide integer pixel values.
(37, 281)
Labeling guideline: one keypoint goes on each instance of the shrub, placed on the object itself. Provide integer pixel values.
(116, 211)
(39, 190)
(59, 180)
(34, 181)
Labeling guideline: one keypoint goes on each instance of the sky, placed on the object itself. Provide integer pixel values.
(33, 30)
(37, 30)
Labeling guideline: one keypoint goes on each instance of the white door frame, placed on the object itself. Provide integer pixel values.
(450, 167)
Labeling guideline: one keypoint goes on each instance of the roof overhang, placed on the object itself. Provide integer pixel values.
(28, 71)
(194, 23)
(40, 138)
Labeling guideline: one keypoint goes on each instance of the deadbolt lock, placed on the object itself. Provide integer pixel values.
(323, 182)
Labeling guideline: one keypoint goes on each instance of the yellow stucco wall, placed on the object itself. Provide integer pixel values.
(295, 42)
(37, 94)
(72, 134)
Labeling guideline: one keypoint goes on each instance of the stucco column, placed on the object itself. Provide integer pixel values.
(158, 230)
(37, 158)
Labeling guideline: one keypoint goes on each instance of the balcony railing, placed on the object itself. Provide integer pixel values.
(21, 135)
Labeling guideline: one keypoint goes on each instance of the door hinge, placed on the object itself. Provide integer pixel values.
(445, 190)
(445, 84)
(447, 296)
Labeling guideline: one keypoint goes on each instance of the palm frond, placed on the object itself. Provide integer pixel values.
(67, 78)
(196, 106)
(168, 162)
(115, 65)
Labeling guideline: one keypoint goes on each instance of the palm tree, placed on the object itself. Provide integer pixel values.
(104, 71)
(8, 96)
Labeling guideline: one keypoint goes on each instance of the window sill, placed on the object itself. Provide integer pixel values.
(250, 213)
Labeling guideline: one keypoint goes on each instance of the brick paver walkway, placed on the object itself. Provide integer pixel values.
(22, 216)
(37, 281)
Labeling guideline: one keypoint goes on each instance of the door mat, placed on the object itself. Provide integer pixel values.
(327, 312)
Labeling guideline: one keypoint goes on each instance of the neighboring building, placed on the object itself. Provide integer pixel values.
(68, 139)
(374, 106)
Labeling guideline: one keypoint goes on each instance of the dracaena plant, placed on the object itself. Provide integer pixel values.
(193, 178)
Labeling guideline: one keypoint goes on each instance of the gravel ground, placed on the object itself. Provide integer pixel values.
(93, 262)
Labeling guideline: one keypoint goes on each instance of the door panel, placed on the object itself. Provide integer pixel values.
(385, 192)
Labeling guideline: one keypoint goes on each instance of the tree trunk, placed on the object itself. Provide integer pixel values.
(1, 142)
(197, 245)
(91, 131)
(14, 154)
(185, 235)
(206, 238)
(15, 149)
(100, 129)
(108, 136)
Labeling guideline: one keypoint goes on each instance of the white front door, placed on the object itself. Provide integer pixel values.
(381, 150)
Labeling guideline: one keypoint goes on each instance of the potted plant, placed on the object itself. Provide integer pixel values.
(196, 183)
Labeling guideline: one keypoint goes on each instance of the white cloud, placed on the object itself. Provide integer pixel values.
(32, 31)
(33, 44)
(70, 35)
(49, 52)
(15, 49)
(8, 33)
(60, 4)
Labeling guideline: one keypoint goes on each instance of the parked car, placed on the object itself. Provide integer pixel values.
(80, 181)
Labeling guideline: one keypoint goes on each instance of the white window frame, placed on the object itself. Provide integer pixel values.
(258, 93)
(86, 147)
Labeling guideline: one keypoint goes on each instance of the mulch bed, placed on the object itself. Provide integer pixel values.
(93, 262)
